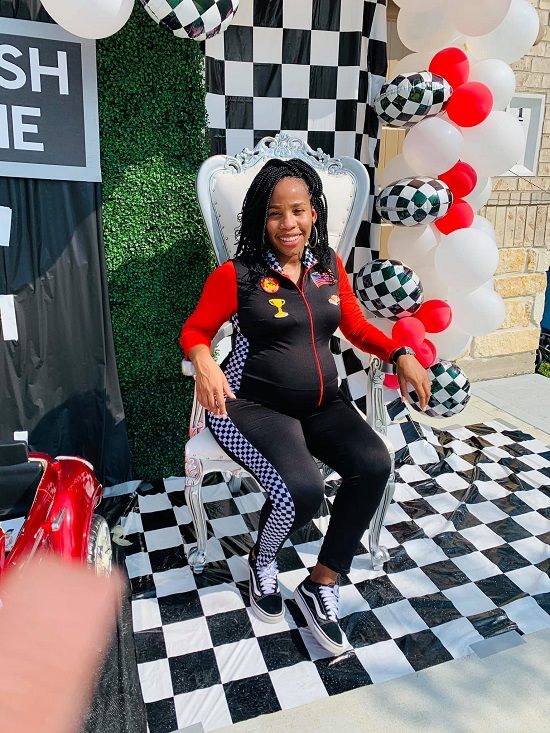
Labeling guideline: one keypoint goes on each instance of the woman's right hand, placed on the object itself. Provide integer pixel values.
(210, 382)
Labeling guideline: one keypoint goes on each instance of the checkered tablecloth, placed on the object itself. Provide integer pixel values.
(469, 538)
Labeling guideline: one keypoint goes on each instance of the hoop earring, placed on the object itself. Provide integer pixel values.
(312, 246)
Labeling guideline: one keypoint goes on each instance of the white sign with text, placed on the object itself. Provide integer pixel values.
(49, 125)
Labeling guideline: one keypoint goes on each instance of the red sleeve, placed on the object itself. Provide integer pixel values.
(355, 327)
(218, 302)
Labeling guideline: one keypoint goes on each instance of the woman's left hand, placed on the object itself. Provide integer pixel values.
(411, 372)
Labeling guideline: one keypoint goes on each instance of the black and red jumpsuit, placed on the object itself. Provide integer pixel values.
(288, 407)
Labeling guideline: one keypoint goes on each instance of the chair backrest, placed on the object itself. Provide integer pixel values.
(223, 180)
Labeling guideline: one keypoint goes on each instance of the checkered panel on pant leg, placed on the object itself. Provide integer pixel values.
(282, 516)
(234, 369)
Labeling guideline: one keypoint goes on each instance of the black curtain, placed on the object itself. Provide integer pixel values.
(59, 381)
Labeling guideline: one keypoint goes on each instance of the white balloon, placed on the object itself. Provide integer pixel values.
(418, 6)
(466, 258)
(495, 145)
(420, 61)
(411, 245)
(396, 169)
(432, 144)
(437, 234)
(479, 312)
(426, 31)
(90, 18)
(484, 225)
(413, 62)
(478, 17)
(499, 77)
(450, 343)
(433, 285)
(481, 193)
(512, 38)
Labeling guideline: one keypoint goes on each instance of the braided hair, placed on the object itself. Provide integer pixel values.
(252, 241)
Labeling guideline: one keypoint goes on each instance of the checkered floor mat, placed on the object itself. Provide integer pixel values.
(469, 538)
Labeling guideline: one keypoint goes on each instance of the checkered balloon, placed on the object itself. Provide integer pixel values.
(389, 289)
(196, 19)
(450, 390)
(412, 201)
(409, 98)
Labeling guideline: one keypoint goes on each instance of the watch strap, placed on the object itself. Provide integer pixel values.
(401, 351)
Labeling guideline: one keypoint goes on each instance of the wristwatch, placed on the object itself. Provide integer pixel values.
(402, 351)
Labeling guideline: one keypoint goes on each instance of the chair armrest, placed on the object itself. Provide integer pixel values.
(198, 416)
(187, 368)
(377, 416)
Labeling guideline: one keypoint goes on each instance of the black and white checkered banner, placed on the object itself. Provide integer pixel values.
(311, 68)
(469, 541)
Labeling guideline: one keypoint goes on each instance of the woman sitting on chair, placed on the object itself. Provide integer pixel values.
(275, 402)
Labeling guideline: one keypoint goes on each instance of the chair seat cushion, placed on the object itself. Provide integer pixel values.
(204, 447)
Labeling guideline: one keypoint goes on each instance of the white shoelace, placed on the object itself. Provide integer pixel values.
(330, 595)
(267, 577)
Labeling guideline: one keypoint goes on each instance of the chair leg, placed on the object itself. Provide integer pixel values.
(380, 555)
(194, 474)
(233, 483)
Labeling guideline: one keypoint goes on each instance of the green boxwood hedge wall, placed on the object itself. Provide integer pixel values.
(152, 124)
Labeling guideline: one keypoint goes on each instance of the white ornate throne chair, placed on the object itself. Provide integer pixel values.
(222, 183)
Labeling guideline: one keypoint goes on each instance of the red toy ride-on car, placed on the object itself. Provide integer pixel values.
(48, 504)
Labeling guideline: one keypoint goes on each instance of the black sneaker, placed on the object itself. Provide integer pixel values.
(265, 597)
(319, 604)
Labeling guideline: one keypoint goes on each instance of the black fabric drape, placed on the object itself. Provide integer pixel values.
(59, 381)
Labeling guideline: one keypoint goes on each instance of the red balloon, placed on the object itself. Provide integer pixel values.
(460, 216)
(391, 381)
(452, 64)
(408, 331)
(426, 353)
(470, 104)
(436, 315)
(461, 179)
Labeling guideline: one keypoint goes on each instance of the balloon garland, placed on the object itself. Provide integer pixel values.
(194, 19)
(458, 136)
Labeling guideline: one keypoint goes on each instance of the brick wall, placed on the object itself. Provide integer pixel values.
(518, 209)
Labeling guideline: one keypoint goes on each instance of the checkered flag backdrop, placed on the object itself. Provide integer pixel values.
(313, 69)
